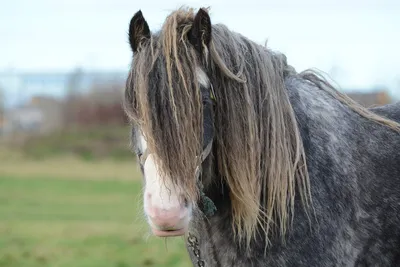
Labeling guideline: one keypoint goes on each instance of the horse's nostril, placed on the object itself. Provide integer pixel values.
(185, 202)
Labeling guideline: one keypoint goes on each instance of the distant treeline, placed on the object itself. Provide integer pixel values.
(102, 105)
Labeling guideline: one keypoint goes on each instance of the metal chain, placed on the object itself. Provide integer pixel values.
(194, 245)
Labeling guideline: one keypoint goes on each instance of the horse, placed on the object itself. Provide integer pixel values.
(254, 163)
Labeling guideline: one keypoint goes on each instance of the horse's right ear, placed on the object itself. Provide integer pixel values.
(200, 34)
(139, 31)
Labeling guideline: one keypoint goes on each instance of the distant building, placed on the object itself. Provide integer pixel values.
(2, 120)
(38, 116)
(22, 120)
(34, 100)
(19, 87)
(52, 112)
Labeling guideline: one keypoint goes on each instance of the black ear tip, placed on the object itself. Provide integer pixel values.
(202, 10)
(137, 15)
(203, 15)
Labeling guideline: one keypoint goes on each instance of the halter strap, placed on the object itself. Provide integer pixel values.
(209, 207)
(206, 151)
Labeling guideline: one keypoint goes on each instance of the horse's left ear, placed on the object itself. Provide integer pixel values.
(200, 34)
(139, 31)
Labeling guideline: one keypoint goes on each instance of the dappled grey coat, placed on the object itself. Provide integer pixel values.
(354, 168)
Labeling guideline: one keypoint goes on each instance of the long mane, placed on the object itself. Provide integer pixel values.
(258, 146)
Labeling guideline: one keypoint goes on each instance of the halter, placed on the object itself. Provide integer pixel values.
(209, 207)
(208, 204)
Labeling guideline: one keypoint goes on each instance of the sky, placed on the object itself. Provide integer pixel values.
(356, 41)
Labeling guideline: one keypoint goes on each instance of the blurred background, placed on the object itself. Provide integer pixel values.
(70, 190)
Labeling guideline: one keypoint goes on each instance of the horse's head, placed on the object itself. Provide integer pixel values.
(258, 153)
(170, 99)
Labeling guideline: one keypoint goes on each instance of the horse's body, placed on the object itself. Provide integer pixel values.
(352, 155)
(355, 179)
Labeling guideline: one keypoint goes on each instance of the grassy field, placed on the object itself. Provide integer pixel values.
(68, 212)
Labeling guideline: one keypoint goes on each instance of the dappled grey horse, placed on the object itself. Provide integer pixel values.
(255, 163)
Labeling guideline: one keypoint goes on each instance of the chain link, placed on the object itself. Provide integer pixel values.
(194, 245)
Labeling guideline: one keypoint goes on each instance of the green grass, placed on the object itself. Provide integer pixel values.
(81, 220)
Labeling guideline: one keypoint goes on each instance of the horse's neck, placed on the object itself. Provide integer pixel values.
(390, 111)
(325, 125)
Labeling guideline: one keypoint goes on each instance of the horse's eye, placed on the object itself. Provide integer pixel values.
(142, 156)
